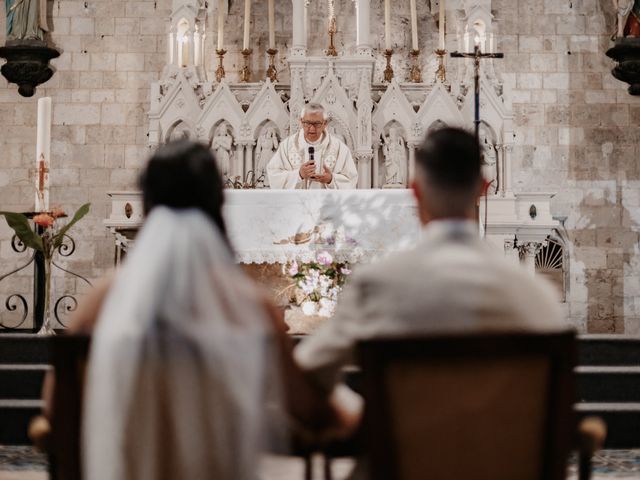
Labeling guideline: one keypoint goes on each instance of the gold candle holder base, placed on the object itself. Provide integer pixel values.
(272, 73)
(220, 70)
(331, 51)
(441, 72)
(388, 71)
(415, 75)
(245, 72)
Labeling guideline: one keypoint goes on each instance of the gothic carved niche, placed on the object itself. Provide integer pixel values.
(179, 131)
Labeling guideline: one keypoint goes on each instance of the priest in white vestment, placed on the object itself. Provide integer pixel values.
(312, 158)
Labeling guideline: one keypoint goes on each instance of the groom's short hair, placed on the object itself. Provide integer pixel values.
(450, 159)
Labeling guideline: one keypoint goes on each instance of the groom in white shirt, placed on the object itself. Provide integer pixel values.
(312, 158)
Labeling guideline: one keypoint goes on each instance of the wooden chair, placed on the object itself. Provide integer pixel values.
(69, 355)
(474, 407)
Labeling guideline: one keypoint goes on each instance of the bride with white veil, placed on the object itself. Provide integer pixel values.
(183, 360)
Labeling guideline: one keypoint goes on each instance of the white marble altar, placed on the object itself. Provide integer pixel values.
(276, 226)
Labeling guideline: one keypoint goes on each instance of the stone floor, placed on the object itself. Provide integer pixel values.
(23, 463)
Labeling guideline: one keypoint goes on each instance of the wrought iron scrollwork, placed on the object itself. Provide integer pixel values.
(67, 247)
(12, 304)
(69, 304)
(18, 245)
(14, 301)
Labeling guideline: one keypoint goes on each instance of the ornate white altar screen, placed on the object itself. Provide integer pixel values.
(380, 121)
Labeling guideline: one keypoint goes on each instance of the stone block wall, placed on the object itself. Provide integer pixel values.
(576, 129)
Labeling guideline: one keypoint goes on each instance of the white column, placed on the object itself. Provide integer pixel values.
(299, 42)
(248, 160)
(506, 158)
(530, 250)
(203, 38)
(412, 162)
(176, 46)
(364, 169)
(171, 51)
(192, 47)
(236, 168)
(511, 252)
(375, 166)
(362, 23)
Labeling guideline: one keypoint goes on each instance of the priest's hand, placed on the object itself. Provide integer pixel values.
(307, 170)
(325, 178)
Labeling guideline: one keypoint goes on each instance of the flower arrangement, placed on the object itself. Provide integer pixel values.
(318, 283)
(46, 239)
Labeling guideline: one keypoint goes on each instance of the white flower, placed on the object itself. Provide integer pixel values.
(325, 258)
(327, 307)
(309, 308)
(345, 271)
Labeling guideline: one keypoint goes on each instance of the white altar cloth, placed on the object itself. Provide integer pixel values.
(276, 226)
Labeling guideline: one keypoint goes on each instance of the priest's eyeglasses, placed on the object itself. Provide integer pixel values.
(307, 124)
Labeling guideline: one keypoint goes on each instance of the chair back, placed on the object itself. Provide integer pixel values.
(69, 354)
(473, 407)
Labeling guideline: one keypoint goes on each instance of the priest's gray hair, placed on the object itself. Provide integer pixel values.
(313, 108)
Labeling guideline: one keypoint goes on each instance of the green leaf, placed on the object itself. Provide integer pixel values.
(81, 212)
(24, 231)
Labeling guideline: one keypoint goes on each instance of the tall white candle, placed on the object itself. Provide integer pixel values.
(221, 13)
(387, 24)
(414, 26)
(43, 154)
(247, 21)
(441, 25)
(272, 25)
(491, 44)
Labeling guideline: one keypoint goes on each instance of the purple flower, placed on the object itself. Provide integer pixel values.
(293, 269)
(325, 258)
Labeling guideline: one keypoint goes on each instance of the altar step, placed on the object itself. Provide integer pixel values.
(608, 385)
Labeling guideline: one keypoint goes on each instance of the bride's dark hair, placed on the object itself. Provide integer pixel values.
(183, 174)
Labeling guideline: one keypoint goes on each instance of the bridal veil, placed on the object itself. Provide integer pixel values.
(181, 364)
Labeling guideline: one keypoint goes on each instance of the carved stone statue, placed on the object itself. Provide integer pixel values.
(490, 166)
(26, 19)
(489, 160)
(395, 159)
(266, 146)
(627, 18)
(222, 144)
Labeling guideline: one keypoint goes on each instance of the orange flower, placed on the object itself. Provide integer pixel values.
(44, 220)
(57, 212)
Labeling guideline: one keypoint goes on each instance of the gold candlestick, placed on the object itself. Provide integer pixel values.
(441, 72)
(388, 71)
(414, 73)
(331, 51)
(272, 73)
(245, 72)
(220, 69)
